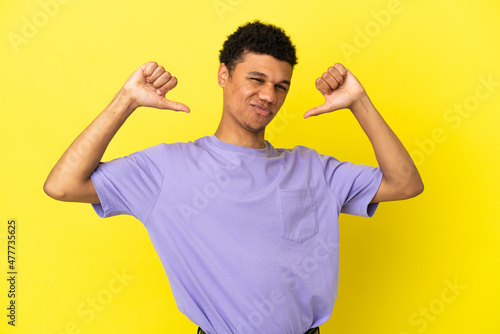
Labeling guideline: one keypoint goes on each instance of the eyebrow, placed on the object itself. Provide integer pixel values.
(260, 74)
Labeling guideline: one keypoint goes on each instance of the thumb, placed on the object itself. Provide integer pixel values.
(171, 105)
(324, 108)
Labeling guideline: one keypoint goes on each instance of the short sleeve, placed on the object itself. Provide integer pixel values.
(130, 185)
(353, 185)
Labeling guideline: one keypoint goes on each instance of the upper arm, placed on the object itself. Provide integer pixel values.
(83, 192)
(88, 193)
(353, 185)
(388, 191)
(384, 192)
(128, 185)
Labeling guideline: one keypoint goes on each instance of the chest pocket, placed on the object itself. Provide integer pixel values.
(299, 220)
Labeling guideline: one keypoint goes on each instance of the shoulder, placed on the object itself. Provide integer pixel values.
(300, 155)
(179, 147)
(303, 154)
(157, 153)
(299, 151)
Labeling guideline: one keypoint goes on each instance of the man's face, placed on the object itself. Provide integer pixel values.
(255, 91)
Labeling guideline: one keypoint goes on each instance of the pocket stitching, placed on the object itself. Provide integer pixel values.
(313, 206)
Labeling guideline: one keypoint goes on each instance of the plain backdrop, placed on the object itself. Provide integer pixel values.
(426, 265)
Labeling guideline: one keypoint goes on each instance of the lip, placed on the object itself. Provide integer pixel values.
(261, 110)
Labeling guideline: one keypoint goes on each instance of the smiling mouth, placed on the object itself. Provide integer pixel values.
(261, 110)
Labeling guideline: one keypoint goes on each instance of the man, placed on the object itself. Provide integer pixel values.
(247, 234)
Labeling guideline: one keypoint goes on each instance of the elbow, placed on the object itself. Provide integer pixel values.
(417, 189)
(54, 190)
(414, 188)
(420, 188)
(68, 191)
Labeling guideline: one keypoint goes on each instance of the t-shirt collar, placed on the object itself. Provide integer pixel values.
(238, 148)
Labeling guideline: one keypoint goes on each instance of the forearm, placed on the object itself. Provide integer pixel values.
(73, 170)
(397, 166)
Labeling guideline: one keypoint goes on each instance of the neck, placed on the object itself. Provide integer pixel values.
(241, 137)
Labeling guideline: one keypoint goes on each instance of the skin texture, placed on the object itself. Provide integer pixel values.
(341, 89)
(253, 94)
(70, 180)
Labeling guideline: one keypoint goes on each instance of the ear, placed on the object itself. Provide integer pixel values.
(222, 75)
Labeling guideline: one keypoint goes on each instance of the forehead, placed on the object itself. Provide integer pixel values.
(276, 70)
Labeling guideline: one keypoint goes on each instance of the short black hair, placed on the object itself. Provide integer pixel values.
(260, 38)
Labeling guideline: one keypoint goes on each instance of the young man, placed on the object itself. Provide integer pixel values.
(247, 233)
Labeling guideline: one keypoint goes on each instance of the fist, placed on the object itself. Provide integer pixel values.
(148, 85)
(340, 88)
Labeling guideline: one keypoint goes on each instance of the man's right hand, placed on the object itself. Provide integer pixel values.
(70, 179)
(148, 85)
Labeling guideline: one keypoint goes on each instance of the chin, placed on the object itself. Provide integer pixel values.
(254, 129)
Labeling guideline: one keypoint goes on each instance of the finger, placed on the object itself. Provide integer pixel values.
(162, 79)
(330, 80)
(169, 85)
(336, 74)
(156, 74)
(324, 108)
(148, 68)
(172, 105)
(323, 87)
(341, 69)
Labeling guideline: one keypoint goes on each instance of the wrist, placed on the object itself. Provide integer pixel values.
(361, 104)
(124, 102)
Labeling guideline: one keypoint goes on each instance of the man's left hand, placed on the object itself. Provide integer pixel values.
(340, 88)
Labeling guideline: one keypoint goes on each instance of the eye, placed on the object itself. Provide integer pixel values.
(257, 79)
(281, 87)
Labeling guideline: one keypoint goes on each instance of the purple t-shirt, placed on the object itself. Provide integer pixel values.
(248, 237)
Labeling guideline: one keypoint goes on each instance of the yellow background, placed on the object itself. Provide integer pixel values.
(417, 65)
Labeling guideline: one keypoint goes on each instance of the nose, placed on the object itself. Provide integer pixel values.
(268, 94)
